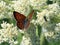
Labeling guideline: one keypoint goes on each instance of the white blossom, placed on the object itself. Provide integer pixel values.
(5, 10)
(21, 6)
(25, 41)
(57, 27)
(2, 9)
(51, 11)
(7, 32)
(33, 21)
(40, 17)
(2, 6)
(37, 4)
(54, 7)
(1, 16)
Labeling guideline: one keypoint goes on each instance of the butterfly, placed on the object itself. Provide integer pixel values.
(23, 22)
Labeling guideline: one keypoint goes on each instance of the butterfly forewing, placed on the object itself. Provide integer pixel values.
(19, 17)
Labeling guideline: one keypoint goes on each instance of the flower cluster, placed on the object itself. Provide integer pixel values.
(26, 41)
(46, 15)
(8, 33)
(40, 17)
(37, 4)
(2, 9)
(2, 6)
(21, 6)
(5, 10)
(24, 6)
(53, 35)
(50, 22)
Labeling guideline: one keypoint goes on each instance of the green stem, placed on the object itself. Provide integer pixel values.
(43, 41)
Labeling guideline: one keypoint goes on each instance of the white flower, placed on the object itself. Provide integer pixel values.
(7, 32)
(1, 16)
(52, 11)
(25, 41)
(21, 31)
(5, 10)
(2, 9)
(37, 4)
(21, 6)
(3, 25)
(54, 7)
(58, 24)
(57, 27)
(40, 17)
(34, 22)
(15, 42)
(49, 34)
(2, 6)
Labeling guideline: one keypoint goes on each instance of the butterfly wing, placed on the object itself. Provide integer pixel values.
(30, 15)
(19, 17)
(20, 25)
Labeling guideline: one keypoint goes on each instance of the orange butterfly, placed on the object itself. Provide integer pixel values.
(23, 21)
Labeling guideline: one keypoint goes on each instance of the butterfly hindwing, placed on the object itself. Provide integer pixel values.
(20, 25)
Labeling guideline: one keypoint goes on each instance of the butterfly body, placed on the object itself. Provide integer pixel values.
(22, 21)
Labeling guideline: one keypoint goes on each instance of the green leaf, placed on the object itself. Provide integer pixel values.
(4, 43)
(38, 30)
(43, 40)
(55, 19)
(19, 38)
